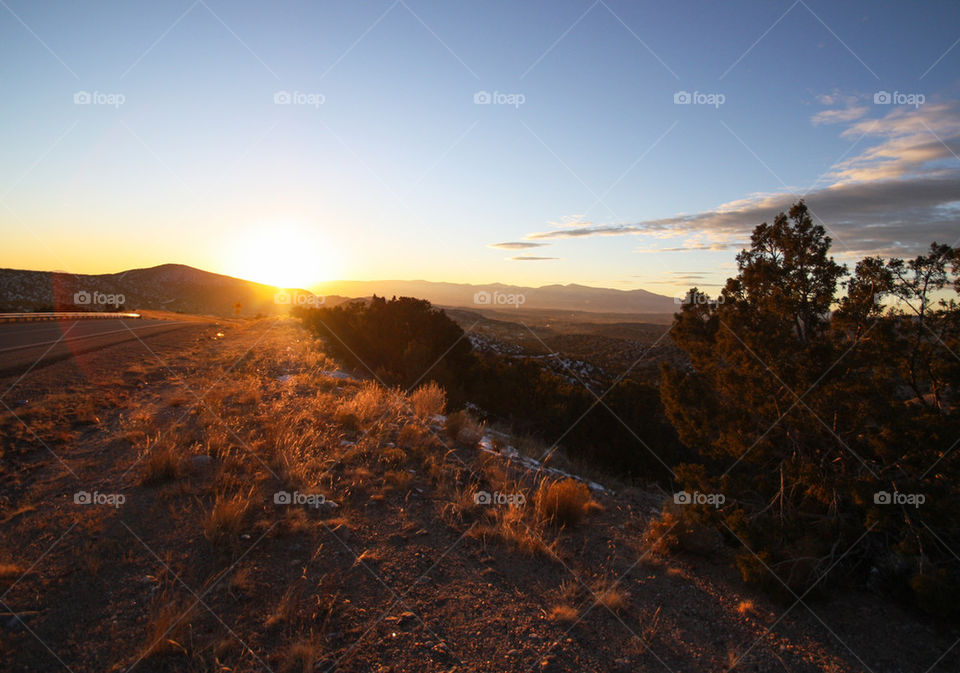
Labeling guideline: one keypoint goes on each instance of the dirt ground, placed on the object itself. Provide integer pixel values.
(224, 498)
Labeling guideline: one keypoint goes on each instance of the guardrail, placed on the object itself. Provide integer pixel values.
(64, 315)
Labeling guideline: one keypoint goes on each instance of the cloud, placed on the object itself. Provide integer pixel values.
(893, 198)
(911, 142)
(732, 245)
(838, 116)
(517, 245)
(837, 97)
(685, 279)
(526, 258)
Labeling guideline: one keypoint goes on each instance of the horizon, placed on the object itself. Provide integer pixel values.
(335, 281)
(608, 145)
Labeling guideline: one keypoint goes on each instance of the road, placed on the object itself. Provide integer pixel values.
(24, 345)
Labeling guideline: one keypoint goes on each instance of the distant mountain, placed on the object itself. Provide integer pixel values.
(554, 297)
(169, 287)
(177, 287)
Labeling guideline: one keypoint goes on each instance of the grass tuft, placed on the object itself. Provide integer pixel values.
(162, 463)
(225, 521)
(562, 503)
(428, 400)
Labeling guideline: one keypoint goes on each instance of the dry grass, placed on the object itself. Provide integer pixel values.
(464, 428)
(347, 420)
(372, 402)
(301, 657)
(285, 609)
(392, 456)
(563, 613)
(659, 538)
(166, 627)
(529, 445)
(399, 480)
(9, 573)
(416, 439)
(611, 598)
(649, 625)
(508, 526)
(226, 519)
(297, 445)
(136, 426)
(563, 610)
(177, 400)
(562, 503)
(162, 463)
(672, 529)
(428, 400)
(368, 557)
(242, 580)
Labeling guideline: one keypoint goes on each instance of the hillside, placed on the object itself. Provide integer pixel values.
(169, 287)
(238, 502)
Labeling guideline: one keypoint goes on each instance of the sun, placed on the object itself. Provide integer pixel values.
(284, 255)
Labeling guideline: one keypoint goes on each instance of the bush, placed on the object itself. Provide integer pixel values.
(462, 427)
(562, 503)
(396, 340)
(428, 400)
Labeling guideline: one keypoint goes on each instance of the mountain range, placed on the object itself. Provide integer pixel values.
(570, 297)
(181, 288)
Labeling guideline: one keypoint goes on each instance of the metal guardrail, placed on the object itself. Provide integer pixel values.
(63, 315)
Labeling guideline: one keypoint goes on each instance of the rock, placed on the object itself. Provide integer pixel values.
(201, 461)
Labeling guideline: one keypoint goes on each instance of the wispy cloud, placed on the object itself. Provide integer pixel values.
(731, 245)
(684, 279)
(527, 258)
(911, 143)
(840, 115)
(517, 245)
(893, 198)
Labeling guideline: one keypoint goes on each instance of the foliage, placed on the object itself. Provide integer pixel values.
(804, 417)
(402, 341)
(408, 342)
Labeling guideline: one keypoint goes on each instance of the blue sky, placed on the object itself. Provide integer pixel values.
(382, 165)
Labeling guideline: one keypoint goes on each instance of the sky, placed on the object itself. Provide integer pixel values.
(610, 143)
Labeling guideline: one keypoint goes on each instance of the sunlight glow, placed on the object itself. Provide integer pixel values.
(284, 254)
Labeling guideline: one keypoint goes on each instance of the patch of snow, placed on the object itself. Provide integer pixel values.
(534, 465)
(529, 464)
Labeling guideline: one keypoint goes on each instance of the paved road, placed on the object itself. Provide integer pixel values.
(24, 344)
